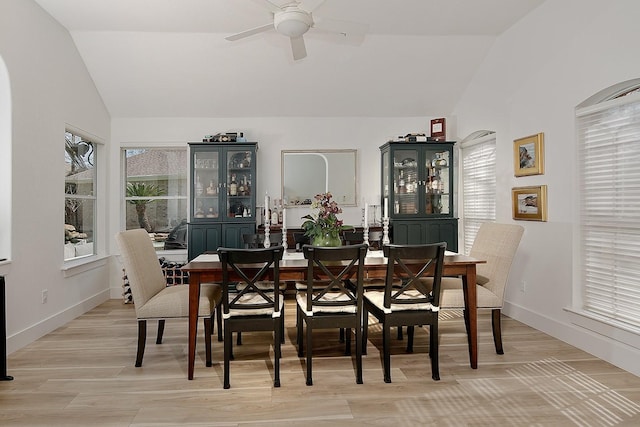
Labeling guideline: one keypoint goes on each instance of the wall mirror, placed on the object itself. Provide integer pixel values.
(306, 173)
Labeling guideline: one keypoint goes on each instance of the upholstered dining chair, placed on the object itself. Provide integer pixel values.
(326, 301)
(496, 244)
(258, 304)
(153, 299)
(414, 303)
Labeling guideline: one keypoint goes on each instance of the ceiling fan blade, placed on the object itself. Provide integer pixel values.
(298, 48)
(310, 5)
(250, 32)
(347, 28)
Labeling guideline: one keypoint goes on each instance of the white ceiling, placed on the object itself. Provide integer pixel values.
(169, 58)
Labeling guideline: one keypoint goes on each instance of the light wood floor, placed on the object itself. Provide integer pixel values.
(82, 374)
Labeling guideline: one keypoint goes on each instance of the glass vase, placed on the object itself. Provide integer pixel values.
(327, 239)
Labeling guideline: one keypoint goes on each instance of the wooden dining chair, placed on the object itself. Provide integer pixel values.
(327, 301)
(153, 299)
(414, 303)
(257, 304)
(300, 240)
(256, 240)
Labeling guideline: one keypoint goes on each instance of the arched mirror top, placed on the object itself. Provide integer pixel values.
(306, 173)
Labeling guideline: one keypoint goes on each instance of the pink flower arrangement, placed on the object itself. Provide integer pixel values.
(324, 221)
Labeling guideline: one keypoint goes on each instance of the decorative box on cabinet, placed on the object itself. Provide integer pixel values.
(417, 182)
(222, 200)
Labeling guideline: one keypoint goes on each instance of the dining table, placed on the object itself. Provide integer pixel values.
(207, 268)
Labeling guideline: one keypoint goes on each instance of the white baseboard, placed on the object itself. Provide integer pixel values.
(27, 336)
(602, 346)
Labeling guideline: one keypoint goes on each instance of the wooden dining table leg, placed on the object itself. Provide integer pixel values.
(194, 302)
(471, 306)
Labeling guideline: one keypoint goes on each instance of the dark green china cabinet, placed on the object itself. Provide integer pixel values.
(417, 184)
(222, 199)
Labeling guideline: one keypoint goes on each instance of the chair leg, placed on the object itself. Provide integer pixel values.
(207, 340)
(365, 330)
(347, 340)
(228, 341)
(400, 332)
(160, 331)
(239, 338)
(341, 336)
(433, 351)
(386, 350)
(142, 338)
(410, 332)
(299, 339)
(359, 354)
(277, 342)
(497, 330)
(219, 321)
(282, 328)
(309, 351)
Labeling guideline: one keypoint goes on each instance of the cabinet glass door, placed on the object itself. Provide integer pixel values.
(239, 184)
(405, 182)
(438, 186)
(206, 186)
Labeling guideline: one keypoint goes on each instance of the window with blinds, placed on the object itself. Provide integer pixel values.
(609, 196)
(478, 185)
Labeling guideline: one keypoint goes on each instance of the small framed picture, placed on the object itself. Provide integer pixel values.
(438, 129)
(528, 155)
(529, 203)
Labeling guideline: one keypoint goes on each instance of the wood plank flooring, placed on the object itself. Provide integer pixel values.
(82, 374)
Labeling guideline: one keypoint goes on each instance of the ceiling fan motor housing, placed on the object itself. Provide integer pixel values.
(292, 23)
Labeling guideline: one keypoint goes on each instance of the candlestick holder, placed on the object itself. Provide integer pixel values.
(365, 233)
(385, 231)
(267, 226)
(284, 236)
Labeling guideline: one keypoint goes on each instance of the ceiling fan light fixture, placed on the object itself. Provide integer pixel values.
(292, 23)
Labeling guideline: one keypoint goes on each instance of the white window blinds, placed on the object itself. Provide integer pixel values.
(478, 186)
(609, 184)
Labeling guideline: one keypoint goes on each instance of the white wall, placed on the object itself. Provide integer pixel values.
(49, 87)
(532, 80)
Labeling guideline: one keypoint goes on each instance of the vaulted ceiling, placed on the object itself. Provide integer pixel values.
(169, 58)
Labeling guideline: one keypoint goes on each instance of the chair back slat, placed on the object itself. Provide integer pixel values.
(329, 270)
(251, 266)
(419, 268)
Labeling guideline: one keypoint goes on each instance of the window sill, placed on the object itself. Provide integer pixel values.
(71, 268)
(617, 331)
(5, 267)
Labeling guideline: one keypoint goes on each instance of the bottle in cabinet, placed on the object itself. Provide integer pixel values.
(233, 186)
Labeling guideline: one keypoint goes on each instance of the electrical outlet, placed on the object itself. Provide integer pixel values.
(45, 296)
(523, 286)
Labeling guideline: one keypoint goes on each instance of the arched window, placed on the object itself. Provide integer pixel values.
(5, 162)
(608, 131)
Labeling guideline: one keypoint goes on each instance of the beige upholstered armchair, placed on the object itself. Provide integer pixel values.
(152, 299)
(497, 245)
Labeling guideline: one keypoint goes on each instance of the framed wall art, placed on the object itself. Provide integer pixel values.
(529, 203)
(528, 155)
(438, 129)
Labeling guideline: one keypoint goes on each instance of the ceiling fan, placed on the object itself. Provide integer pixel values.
(294, 18)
